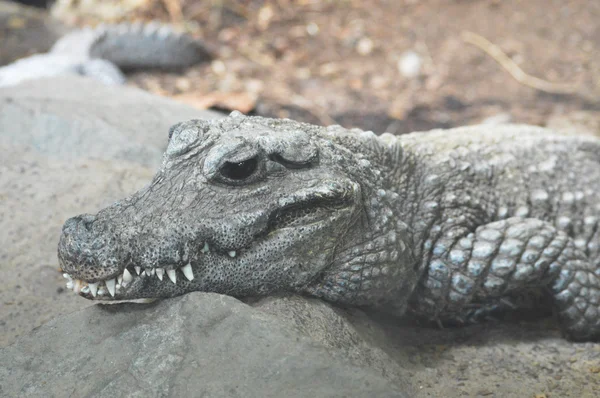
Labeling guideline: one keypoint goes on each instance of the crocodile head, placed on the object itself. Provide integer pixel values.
(244, 206)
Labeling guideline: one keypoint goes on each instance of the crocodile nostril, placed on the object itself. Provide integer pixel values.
(78, 225)
(87, 220)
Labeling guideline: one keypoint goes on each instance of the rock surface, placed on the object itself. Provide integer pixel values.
(193, 346)
(70, 118)
(523, 356)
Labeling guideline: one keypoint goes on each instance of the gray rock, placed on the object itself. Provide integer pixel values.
(514, 358)
(37, 194)
(335, 329)
(196, 345)
(72, 117)
(522, 357)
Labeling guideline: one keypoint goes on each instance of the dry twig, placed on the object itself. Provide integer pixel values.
(511, 67)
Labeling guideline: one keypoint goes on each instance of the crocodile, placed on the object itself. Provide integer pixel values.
(449, 225)
(104, 52)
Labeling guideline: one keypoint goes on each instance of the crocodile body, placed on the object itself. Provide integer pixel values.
(448, 224)
(102, 53)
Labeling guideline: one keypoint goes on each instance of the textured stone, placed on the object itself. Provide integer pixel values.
(197, 345)
(71, 117)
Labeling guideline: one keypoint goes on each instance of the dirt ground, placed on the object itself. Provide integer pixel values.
(396, 66)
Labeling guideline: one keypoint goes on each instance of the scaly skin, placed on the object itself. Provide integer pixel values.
(446, 224)
(101, 53)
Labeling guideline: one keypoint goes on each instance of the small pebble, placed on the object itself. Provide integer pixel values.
(410, 64)
(364, 46)
(499, 118)
(312, 29)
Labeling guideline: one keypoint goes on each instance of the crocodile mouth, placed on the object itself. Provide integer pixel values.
(301, 214)
(111, 287)
(290, 217)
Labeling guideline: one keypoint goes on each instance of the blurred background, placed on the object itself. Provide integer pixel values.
(396, 66)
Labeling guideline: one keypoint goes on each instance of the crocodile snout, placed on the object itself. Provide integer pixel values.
(84, 249)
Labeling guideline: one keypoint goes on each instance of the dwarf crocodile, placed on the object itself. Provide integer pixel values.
(447, 224)
(100, 53)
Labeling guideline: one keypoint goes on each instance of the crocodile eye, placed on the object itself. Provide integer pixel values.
(239, 170)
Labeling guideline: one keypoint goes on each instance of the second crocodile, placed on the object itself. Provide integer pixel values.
(102, 53)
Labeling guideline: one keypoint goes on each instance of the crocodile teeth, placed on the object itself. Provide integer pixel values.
(187, 271)
(205, 248)
(119, 279)
(138, 269)
(85, 289)
(231, 253)
(70, 285)
(110, 285)
(172, 276)
(67, 276)
(150, 271)
(127, 276)
(101, 291)
(160, 272)
(93, 288)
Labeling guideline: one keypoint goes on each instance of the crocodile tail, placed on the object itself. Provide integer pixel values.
(133, 46)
